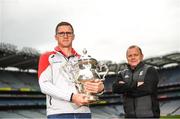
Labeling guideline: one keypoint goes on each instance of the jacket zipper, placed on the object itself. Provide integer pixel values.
(50, 100)
(134, 99)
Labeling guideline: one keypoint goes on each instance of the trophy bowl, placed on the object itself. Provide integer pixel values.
(83, 69)
(88, 71)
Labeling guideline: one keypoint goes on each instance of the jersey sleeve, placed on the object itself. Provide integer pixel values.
(45, 80)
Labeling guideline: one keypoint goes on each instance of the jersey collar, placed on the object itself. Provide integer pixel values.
(74, 53)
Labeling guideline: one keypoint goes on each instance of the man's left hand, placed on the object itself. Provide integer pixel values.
(94, 86)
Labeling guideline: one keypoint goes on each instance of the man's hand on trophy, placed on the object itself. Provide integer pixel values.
(93, 86)
(80, 99)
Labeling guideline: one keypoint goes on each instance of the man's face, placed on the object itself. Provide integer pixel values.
(134, 57)
(64, 36)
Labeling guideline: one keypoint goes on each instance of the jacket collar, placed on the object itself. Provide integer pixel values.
(74, 53)
(141, 64)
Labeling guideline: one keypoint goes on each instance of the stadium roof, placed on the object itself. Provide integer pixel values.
(165, 61)
(27, 58)
(173, 58)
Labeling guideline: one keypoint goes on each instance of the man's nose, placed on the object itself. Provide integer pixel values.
(65, 35)
(133, 56)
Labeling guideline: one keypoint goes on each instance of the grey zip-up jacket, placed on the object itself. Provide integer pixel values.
(139, 101)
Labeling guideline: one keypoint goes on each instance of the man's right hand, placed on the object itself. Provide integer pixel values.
(140, 83)
(121, 82)
(80, 99)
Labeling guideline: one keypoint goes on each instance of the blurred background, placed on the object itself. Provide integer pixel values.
(105, 28)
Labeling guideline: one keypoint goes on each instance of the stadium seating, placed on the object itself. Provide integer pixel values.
(169, 76)
(19, 89)
(11, 80)
(170, 107)
(23, 114)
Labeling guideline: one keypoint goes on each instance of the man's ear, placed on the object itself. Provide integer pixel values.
(73, 36)
(55, 36)
(142, 57)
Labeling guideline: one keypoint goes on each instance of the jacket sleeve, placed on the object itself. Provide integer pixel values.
(127, 86)
(45, 80)
(150, 84)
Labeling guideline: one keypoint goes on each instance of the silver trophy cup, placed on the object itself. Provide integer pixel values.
(84, 69)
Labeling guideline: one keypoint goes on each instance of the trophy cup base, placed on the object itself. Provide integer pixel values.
(92, 98)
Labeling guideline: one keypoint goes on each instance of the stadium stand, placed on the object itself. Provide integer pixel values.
(18, 81)
(169, 76)
(27, 58)
(25, 114)
(20, 95)
(170, 107)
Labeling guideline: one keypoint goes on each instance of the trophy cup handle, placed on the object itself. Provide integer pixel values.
(106, 72)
